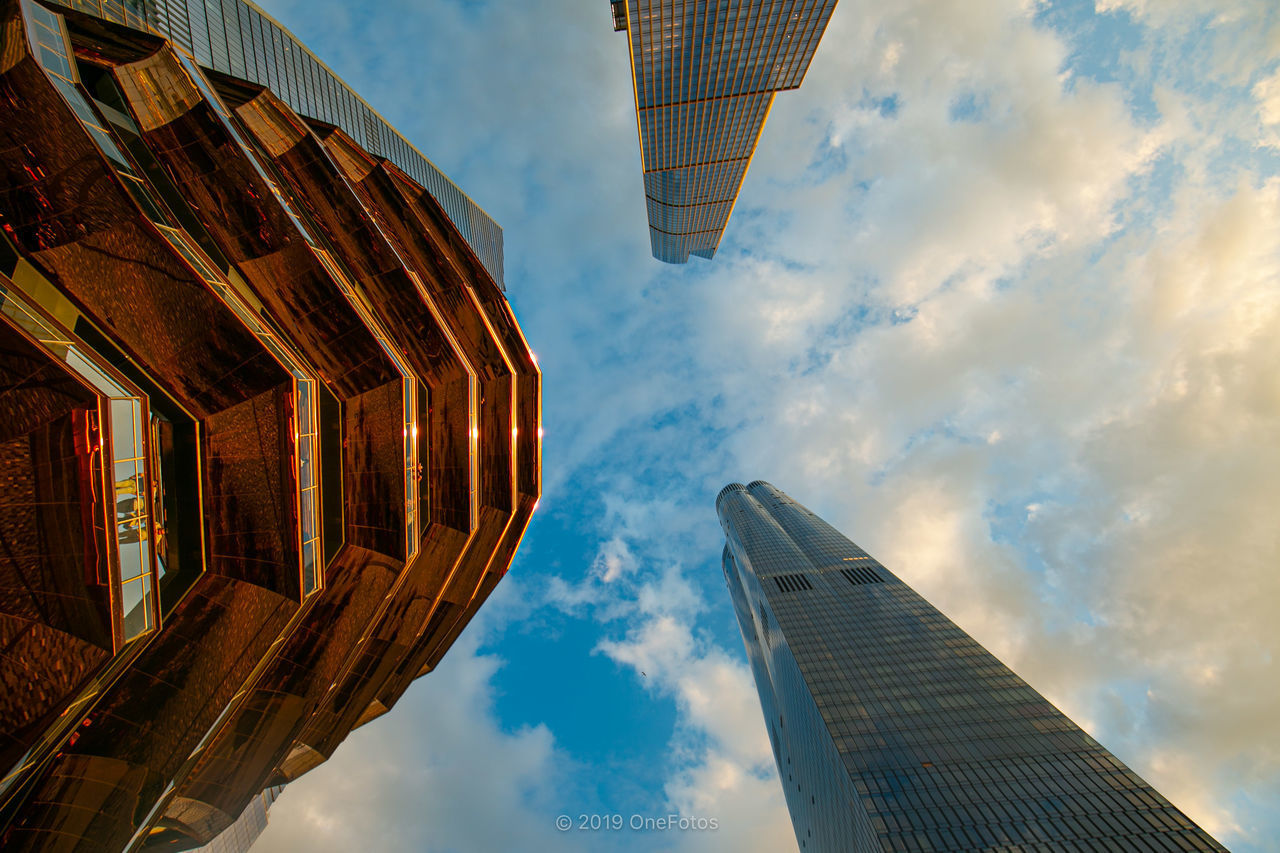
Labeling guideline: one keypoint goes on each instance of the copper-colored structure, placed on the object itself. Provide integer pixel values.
(269, 436)
(704, 75)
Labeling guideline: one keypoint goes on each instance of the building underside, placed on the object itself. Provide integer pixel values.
(269, 436)
(704, 75)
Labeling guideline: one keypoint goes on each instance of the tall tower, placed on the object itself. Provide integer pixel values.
(705, 73)
(892, 728)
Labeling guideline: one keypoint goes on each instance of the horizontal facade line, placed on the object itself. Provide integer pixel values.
(695, 204)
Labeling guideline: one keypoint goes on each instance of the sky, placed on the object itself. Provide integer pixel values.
(1000, 300)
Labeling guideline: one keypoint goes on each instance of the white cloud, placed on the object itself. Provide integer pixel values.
(714, 692)
(439, 773)
(614, 560)
(727, 771)
(1267, 91)
(1129, 373)
(1128, 366)
(749, 807)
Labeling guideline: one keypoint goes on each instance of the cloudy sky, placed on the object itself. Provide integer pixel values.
(1000, 299)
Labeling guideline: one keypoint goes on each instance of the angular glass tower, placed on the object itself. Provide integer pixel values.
(704, 75)
(893, 729)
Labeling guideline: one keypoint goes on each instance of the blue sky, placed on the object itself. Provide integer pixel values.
(1000, 299)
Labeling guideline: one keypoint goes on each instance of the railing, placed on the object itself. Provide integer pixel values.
(126, 412)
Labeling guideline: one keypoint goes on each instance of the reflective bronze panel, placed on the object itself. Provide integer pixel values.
(234, 37)
(55, 602)
(325, 353)
(250, 500)
(69, 816)
(525, 435)
(239, 205)
(41, 670)
(240, 211)
(374, 471)
(501, 323)
(241, 759)
(452, 400)
(427, 594)
(438, 636)
(395, 293)
(51, 557)
(156, 713)
(410, 606)
(65, 209)
(412, 214)
(446, 444)
(440, 644)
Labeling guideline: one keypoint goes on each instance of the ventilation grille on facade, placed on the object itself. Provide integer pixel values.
(859, 575)
(732, 487)
(792, 583)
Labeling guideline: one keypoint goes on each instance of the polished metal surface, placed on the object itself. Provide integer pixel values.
(332, 445)
(238, 38)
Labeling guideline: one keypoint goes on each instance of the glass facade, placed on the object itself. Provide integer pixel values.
(893, 730)
(236, 37)
(705, 74)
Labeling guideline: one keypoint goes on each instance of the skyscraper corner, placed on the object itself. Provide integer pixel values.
(704, 75)
(892, 729)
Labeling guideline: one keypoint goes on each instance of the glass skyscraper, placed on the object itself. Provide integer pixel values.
(893, 730)
(704, 74)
